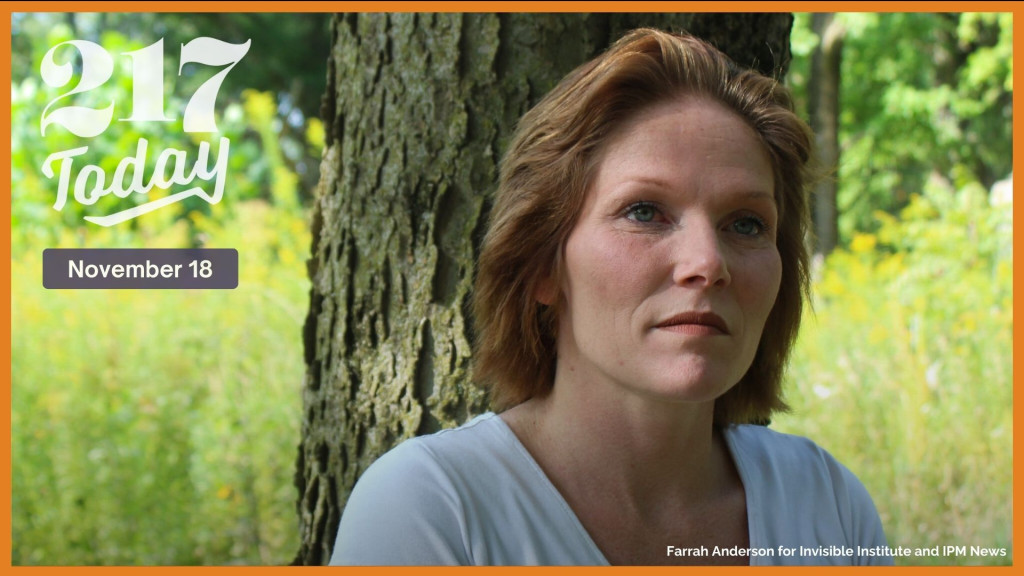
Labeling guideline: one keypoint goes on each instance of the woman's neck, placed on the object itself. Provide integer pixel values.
(595, 439)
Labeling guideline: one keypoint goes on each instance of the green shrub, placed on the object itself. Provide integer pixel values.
(904, 370)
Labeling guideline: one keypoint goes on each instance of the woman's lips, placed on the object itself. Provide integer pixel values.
(695, 323)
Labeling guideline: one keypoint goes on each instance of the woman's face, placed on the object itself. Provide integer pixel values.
(671, 269)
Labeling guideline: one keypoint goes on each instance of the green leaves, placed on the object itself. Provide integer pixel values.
(920, 93)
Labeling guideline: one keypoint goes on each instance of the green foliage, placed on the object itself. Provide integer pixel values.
(159, 427)
(152, 426)
(921, 94)
(904, 369)
(142, 438)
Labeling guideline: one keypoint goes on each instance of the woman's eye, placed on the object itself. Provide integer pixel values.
(749, 226)
(642, 212)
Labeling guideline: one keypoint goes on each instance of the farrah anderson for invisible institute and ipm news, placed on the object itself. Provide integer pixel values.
(786, 551)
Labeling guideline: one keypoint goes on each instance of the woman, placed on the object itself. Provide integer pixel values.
(638, 292)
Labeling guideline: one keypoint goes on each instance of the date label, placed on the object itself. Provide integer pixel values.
(140, 268)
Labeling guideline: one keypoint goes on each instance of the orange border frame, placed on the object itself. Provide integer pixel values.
(449, 6)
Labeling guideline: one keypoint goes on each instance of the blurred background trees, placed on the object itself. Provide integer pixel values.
(905, 100)
(160, 427)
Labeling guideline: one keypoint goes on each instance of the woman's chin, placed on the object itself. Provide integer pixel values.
(691, 389)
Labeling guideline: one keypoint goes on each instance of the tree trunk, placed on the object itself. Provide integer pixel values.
(419, 109)
(824, 105)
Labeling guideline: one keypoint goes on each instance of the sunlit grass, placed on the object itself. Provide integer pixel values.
(158, 426)
(904, 372)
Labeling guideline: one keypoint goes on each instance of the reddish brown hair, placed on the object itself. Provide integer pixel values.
(545, 176)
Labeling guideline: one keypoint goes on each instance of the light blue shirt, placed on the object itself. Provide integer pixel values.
(473, 495)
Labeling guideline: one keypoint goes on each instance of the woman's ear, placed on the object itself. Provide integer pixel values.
(547, 291)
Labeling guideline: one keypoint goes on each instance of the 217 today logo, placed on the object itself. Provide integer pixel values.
(90, 182)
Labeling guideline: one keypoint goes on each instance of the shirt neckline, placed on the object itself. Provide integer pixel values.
(520, 449)
(735, 452)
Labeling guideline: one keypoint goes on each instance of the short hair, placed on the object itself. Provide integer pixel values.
(544, 179)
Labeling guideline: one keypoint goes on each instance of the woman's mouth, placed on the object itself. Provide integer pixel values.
(695, 323)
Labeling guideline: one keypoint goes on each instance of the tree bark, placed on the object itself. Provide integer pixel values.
(824, 100)
(419, 109)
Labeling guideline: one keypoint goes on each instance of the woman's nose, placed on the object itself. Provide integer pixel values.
(699, 257)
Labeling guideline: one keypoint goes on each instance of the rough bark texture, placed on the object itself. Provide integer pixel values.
(419, 108)
(825, 69)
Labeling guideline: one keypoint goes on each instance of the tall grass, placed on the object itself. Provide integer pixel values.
(160, 426)
(904, 372)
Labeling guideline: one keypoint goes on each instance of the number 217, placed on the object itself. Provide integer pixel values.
(147, 84)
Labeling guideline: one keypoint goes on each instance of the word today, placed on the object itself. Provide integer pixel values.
(90, 182)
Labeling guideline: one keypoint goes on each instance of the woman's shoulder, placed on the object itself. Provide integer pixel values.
(801, 495)
(469, 446)
(442, 457)
(409, 505)
(789, 459)
(480, 432)
(453, 497)
(793, 469)
(765, 444)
